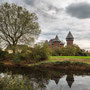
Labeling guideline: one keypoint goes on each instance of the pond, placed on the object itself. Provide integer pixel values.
(49, 79)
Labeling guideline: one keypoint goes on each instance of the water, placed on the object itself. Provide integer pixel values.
(79, 83)
(47, 79)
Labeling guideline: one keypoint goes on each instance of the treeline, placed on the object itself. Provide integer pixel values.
(42, 52)
(38, 53)
(70, 51)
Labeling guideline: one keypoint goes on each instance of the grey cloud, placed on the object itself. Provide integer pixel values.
(79, 10)
(61, 32)
(53, 19)
(45, 15)
(10, 1)
(30, 2)
(51, 7)
(43, 8)
(1, 1)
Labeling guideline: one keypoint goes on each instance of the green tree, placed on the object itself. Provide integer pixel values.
(40, 52)
(56, 51)
(17, 25)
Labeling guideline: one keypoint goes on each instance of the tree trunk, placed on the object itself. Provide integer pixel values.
(14, 49)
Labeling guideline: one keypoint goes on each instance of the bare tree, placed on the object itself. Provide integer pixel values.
(17, 25)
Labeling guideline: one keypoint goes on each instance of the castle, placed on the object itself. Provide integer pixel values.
(57, 43)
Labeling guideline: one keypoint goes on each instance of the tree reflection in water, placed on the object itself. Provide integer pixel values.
(40, 78)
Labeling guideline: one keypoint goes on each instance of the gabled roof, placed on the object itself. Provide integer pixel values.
(69, 36)
(56, 39)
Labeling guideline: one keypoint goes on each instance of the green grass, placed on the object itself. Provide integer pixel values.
(54, 59)
(71, 57)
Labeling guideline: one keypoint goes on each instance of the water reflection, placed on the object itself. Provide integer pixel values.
(45, 79)
(70, 80)
(56, 79)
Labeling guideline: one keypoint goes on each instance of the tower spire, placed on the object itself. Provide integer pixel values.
(69, 38)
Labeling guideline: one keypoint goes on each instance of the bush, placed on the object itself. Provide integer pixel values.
(56, 52)
(26, 55)
(17, 58)
(3, 55)
(70, 51)
(40, 52)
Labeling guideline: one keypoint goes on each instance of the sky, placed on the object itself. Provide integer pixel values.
(58, 17)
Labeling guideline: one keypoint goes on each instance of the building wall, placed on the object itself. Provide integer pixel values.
(61, 45)
(51, 46)
(56, 44)
(69, 42)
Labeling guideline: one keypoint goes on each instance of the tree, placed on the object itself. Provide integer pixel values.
(17, 25)
(40, 52)
(56, 51)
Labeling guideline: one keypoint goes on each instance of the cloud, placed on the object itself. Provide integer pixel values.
(44, 8)
(54, 20)
(79, 10)
(31, 2)
(1, 1)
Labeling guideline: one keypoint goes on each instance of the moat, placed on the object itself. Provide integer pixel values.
(50, 79)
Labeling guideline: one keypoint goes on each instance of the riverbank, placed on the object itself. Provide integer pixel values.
(63, 59)
(76, 63)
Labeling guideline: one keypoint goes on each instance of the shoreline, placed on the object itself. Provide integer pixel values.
(58, 65)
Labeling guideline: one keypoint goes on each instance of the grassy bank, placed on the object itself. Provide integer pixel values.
(71, 57)
(74, 63)
(84, 60)
(60, 59)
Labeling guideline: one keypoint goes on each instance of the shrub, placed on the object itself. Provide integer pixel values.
(26, 55)
(56, 52)
(3, 55)
(40, 52)
(70, 51)
(17, 58)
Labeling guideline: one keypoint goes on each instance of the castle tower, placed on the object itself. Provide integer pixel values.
(56, 42)
(70, 39)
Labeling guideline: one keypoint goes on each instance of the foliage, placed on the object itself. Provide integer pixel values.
(3, 55)
(14, 83)
(56, 52)
(17, 25)
(70, 51)
(40, 52)
(16, 58)
(37, 53)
